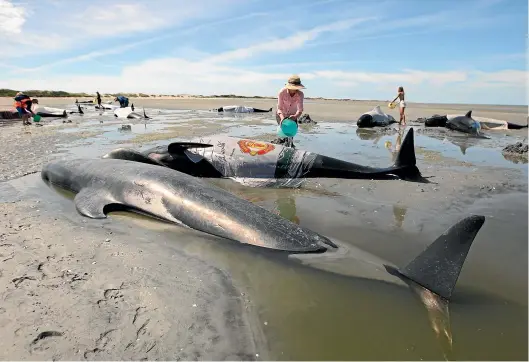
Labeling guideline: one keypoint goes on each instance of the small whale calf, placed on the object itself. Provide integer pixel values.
(252, 162)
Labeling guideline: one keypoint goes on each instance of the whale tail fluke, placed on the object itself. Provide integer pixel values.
(405, 165)
(438, 267)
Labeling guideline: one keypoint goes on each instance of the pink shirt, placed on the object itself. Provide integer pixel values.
(288, 105)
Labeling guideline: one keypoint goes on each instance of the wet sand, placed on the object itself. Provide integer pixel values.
(129, 287)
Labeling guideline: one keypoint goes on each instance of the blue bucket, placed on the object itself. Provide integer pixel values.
(287, 128)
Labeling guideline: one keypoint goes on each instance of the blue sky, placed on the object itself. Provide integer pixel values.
(445, 51)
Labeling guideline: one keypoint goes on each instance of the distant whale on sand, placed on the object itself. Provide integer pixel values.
(375, 118)
(105, 184)
(49, 111)
(128, 112)
(79, 110)
(260, 163)
(468, 124)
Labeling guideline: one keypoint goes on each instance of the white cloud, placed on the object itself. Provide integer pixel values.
(11, 18)
(107, 20)
(179, 76)
(290, 43)
(405, 77)
(80, 25)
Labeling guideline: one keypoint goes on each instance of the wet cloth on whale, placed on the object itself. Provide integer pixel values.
(237, 109)
(242, 158)
(379, 116)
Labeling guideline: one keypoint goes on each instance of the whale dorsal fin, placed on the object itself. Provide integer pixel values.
(469, 114)
(91, 202)
(437, 268)
(180, 147)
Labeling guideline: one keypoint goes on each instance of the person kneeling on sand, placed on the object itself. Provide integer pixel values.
(123, 101)
(23, 105)
(242, 109)
(289, 104)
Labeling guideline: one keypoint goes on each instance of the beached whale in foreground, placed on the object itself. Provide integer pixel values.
(375, 118)
(257, 163)
(128, 112)
(103, 185)
(468, 124)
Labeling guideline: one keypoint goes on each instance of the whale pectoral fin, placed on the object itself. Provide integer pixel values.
(91, 203)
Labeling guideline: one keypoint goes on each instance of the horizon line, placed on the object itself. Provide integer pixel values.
(232, 96)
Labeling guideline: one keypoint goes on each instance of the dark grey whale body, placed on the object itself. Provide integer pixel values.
(103, 184)
(375, 118)
(244, 160)
(464, 123)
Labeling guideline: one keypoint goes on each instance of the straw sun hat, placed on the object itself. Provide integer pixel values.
(294, 82)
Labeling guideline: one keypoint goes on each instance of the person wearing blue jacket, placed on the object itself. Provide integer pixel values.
(123, 101)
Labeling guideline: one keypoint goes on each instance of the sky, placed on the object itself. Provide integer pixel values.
(440, 51)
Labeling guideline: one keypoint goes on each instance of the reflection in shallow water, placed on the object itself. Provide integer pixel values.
(394, 151)
(439, 316)
(399, 213)
(366, 134)
(286, 207)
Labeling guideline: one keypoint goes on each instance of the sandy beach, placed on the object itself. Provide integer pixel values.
(335, 110)
(129, 287)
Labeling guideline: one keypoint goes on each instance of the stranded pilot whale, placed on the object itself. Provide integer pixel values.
(128, 112)
(375, 118)
(468, 124)
(260, 163)
(103, 185)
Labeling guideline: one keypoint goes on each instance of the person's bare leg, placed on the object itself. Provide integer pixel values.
(404, 115)
(25, 119)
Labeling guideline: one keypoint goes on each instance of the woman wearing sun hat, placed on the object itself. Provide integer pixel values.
(290, 100)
